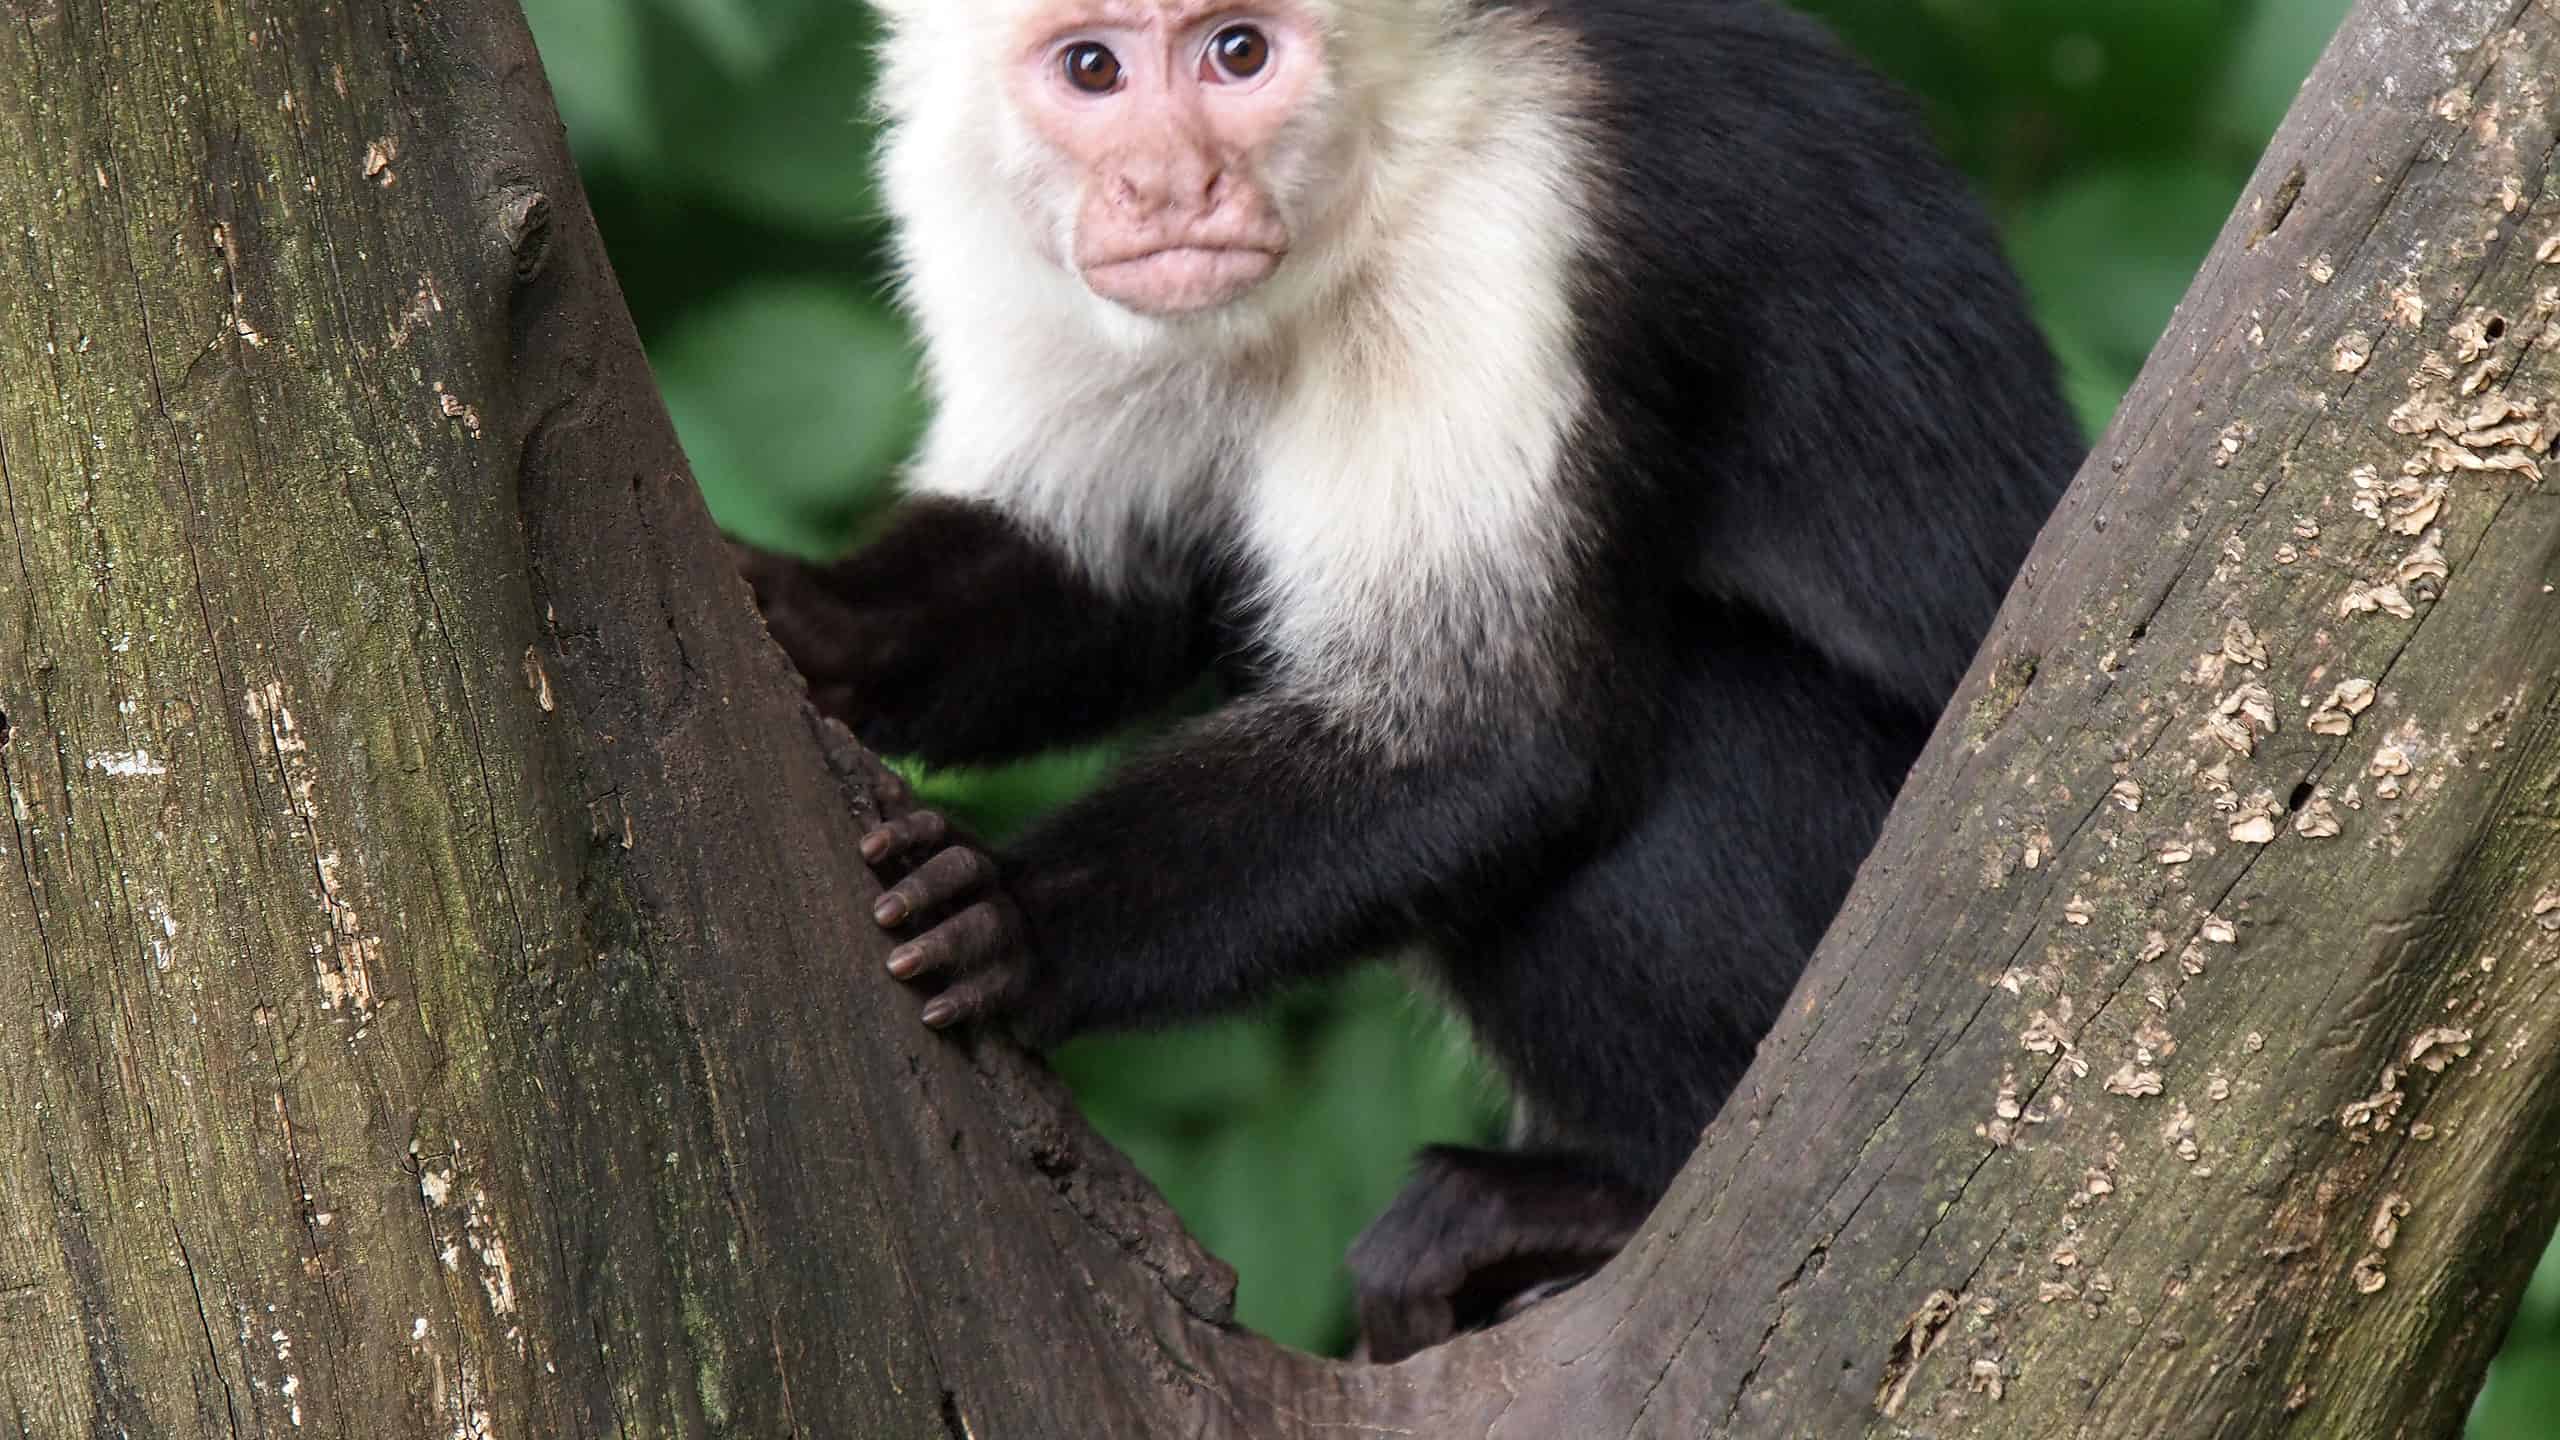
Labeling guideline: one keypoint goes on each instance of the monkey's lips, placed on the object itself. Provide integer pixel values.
(1179, 279)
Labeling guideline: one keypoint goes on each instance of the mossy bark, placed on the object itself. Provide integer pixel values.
(435, 995)
(427, 915)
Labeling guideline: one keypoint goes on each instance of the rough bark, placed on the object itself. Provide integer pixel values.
(437, 1000)
(427, 917)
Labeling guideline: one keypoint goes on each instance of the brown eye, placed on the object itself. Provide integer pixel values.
(1092, 68)
(1241, 51)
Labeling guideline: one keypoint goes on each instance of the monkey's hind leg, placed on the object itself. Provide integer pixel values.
(1477, 1229)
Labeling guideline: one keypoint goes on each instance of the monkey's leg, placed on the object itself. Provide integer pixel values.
(1626, 999)
(957, 637)
(1476, 1228)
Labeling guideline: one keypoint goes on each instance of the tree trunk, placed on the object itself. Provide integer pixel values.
(439, 1000)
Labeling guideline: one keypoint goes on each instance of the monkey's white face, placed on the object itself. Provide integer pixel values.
(1161, 126)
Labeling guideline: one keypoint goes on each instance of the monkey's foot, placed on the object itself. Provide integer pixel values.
(1477, 1236)
(964, 934)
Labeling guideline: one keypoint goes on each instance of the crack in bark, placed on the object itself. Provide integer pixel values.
(1780, 1309)
(1671, 1358)
(1984, 1004)
(212, 1354)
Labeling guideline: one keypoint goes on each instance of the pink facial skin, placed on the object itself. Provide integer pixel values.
(1173, 213)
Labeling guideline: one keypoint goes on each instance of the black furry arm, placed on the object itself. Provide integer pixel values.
(1258, 846)
(1261, 847)
(957, 637)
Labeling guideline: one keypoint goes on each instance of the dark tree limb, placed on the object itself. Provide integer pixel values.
(436, 995)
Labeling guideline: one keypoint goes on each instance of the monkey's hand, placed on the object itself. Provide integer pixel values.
(849, 653)
(964, 936)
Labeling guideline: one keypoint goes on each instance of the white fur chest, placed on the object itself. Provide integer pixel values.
(1399, 501)
(1409, 518)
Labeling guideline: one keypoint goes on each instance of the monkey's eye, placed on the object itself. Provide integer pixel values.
(1091, 68)
(1240, 51)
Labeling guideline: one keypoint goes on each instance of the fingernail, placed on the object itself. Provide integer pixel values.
(902, 963)
(940, 1013)
(890, 910)
(875, 845)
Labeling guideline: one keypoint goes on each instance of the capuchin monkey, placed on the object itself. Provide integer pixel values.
(1586, 439)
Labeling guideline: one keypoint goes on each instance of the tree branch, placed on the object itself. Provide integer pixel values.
(440, 999)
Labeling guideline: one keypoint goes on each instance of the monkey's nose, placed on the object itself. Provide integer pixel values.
(1188, 184)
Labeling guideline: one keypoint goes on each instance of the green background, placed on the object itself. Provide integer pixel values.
(726, 148)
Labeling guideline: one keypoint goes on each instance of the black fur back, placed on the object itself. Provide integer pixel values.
(1805, 335)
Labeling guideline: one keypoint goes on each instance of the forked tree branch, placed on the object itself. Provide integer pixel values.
(436, 987)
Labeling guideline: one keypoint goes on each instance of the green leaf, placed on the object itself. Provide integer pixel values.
(1191, 1079)
(740, 36)
(787, 133)
(2094, 387)
(996, 801)
(1277, 1138)
(2274, 52)
(2541, 1312)
(1406, 1075)
(1272, 1206)
(591, 50)
(793, 400)
(2523, 1393)
(2107, 258)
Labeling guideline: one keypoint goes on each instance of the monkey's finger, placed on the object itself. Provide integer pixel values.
(925, 830)
(972, 937)
(955, 874)
(890, 790)
(970, 1000)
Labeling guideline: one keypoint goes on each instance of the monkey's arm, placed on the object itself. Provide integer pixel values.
(1261, 845)
(956, 637)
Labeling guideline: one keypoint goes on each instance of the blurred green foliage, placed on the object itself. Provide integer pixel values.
(727, 150)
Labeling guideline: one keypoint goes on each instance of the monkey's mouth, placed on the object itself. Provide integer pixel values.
(1180, 279)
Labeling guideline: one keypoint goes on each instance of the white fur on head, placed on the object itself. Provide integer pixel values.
(1381, 429)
